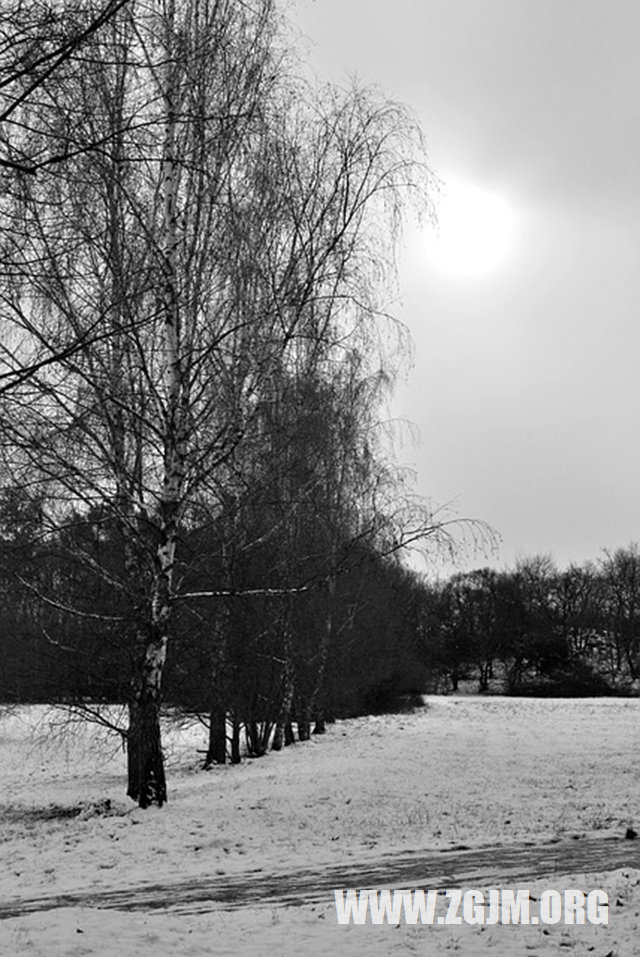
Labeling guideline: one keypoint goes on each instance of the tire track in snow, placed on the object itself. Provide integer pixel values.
(458, 867)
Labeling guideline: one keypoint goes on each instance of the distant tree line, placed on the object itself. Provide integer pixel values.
(536, 629)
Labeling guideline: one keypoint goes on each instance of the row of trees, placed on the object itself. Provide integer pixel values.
(197, 249)
(574, 630)
(252, 659)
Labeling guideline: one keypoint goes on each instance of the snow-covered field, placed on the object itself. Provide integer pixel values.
(472, 771)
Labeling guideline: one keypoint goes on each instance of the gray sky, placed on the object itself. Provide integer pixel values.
(526, 381)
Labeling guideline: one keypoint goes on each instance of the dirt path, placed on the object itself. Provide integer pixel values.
(460, 867)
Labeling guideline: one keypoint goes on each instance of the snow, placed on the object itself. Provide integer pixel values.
(463, 770)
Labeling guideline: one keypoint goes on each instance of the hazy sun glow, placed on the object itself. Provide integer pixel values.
(475, 231)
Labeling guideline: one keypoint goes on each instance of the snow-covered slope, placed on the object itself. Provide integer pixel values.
(463, 770)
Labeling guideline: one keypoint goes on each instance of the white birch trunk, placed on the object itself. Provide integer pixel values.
(146, 764)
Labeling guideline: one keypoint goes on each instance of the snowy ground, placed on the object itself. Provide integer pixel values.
(466, 771)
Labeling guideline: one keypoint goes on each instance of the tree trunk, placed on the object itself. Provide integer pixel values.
(257, 734)
(235, 742)
(304, 730)
(289, 736)
(217, 747)
(284, 720)
(483, 684)
(146, 783)
(146, 768)
(316, 707)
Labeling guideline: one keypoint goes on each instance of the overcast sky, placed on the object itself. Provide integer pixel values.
(526, 381)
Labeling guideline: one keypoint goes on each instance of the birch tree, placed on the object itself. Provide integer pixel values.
(221, 236)
(124, 237)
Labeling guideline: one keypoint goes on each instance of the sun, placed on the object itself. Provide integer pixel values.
(475, 231)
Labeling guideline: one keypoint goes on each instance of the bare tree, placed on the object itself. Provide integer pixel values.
(224, 239)
(620, 572)
(124, 236)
